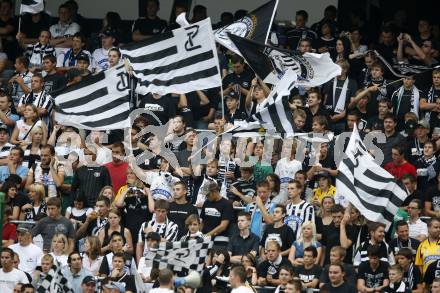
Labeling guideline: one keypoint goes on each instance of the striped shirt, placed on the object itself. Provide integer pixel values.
(5, 149)
(17, 92)
(40, 100)
(297, 214)
(386, 254)
(167, 230)
(223, 167)
(36, 53)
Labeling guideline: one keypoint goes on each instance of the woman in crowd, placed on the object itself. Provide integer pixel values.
(91, 257)
(78, 213)
(14, 199)
(114, 57)
(108, 192)
(32, 150)
(343, 49)
(114, 225)
(250, 263)
(308, 238)
(36, 209)
(325, 211)
(274, 185)
(194, 226)
(60, 249)
(23, 127)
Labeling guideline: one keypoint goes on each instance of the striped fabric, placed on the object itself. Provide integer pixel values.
(180, 256)
(297, 214)
(179, 61)
(167, 230)
(371, 189)
(100, 102)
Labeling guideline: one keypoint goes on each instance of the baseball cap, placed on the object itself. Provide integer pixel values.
(23, 228)
(4, 127)
(108, 32)
(116, 285)
(88, 279)
(83, 57)
(423, 123)
(153, 236)
(232, 95)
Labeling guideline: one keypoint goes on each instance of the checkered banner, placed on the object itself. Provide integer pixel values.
(54, 282)
(180, 256)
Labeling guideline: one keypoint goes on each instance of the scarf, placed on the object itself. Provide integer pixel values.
(410, 278)
(398, 287)
(340, 102)
(414, 100)
(431, 99)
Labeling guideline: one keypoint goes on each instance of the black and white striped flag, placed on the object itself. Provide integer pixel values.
(369, 187)
(100, 102)
(277, 115)
(54, 281)
(180, 256)
(179, 61)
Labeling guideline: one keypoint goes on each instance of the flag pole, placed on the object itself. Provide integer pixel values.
(19, 19)
(271, 21)
(223, 102)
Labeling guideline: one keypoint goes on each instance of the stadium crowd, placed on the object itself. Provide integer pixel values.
(83, 206)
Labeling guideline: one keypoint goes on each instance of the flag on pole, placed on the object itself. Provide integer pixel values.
(100, 102)
(180, 256)
(277, 115)
(31, 6)
(255, 25)
(270, 63)
(369, 187)
(179, 61)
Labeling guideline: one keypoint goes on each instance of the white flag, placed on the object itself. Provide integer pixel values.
(31, 6)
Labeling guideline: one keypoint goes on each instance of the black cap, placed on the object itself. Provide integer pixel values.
(232, 95)
(88, 279)
(4, 127)
(108, 32)
(153, 236)
(83, 57)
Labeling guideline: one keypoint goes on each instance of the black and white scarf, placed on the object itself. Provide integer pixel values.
(415, 96)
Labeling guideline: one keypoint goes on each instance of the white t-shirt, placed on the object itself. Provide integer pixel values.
(100, 59)
(9, 280)
(242, 289)
(30, 256)
(286, 170)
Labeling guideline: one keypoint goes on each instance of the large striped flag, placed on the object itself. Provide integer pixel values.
(369, 187)
(255, 26)
(277, 115)
(100, 102)
(270, 63)
(179, 61)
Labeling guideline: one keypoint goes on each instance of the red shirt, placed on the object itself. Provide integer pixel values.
(118, 173)
(399, 170)
(9, 232)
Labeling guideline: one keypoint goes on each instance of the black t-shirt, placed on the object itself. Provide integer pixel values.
(267, 268)
(148, 27)
(283, 234)
(213, 212)
(327, 90)
(308, 275)
(344, 288)
(416, 277)
(129, 282)
(106, 263)
(373, 279)
(32, 29)
(309, 118)
(19, 200)
(330, 44)
(178, 214)
(164, 108)
(330, 238)
(432, 272)
(135, 213)
(200, 111)
(243, 79)
(54, 84)
(433, 195)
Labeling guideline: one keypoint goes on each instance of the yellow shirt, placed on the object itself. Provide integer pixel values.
(319, 195)
(427, 253)
(120, 191)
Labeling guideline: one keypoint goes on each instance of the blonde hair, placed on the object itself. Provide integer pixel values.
(63, 237)
(35, 130)
(311, 224)
(47, 257)
(39, 189)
